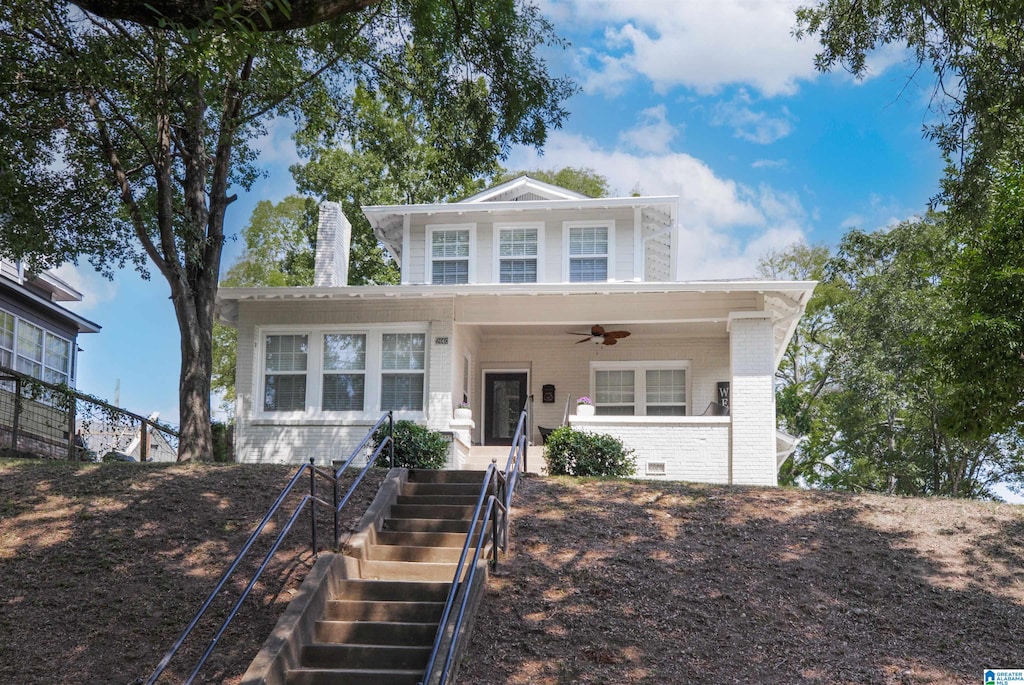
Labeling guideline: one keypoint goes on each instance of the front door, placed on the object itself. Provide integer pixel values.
(504, 397)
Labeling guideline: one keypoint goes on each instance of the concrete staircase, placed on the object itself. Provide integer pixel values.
(371, 614)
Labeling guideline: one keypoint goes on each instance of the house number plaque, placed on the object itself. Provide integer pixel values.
(441, 340)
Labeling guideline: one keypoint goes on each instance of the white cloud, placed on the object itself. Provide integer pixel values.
(769, 163)
(653, 133)
(701, 45)
(96, 290)
(277, 146)
(725, 225)
(748, 124)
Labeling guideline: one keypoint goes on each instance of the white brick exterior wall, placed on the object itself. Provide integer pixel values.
(752, 401)
(696, 449)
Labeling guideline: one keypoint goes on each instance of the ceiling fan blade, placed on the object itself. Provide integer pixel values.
(617, 334)
(596, 330)
(608, 340)
(586, 335)
(586, 339)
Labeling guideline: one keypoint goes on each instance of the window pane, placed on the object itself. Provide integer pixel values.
(450, 244)
(588, 240)
(402, 392)
(344, 352)
(666, 386)
(518, 242)
(613, 387)
(588, 270)
(403, 351)
(58, 354)
(454, 272)
(284, 392)
(286, 352)
(343, 392)
(666, 410)
(30, 342)
(519, 271)
(7, 332)
(55, 377)
(620, 410)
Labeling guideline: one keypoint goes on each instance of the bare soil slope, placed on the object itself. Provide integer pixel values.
(613, 582)
(607, 582)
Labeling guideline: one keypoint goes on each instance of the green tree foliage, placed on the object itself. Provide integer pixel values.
(124, 140)
(569, 452)
(416, 446)
(582, 180)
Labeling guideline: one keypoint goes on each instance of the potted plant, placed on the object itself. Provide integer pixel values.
(584, 406)
(462, 411)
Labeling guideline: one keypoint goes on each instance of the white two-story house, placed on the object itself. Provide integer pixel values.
(499, 300)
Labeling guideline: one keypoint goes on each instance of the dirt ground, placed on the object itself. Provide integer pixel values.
(101, 566)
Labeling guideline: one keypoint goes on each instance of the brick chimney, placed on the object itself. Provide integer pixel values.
(333, 236)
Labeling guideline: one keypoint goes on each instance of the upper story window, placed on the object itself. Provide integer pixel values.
(589, 251)
(639, 388)
(518, 254)
(450, 250)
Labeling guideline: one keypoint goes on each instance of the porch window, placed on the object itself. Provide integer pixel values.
(588, 253)
(402, 371)
(517, 252)
(344, 367)
(657, 388)
(449, 254)
(284, 380)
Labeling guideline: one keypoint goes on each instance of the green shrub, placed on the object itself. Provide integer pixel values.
(571, 452)
(416, 446)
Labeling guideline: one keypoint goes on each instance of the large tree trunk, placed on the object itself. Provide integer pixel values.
(196, 430)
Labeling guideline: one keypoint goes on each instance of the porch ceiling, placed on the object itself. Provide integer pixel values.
(639, 331)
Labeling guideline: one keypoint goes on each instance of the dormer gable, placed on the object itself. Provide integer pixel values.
(523, 189)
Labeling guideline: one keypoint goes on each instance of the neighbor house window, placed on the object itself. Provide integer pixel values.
(284, 380)
(639, 388)
(344, 372)
(449, 255)
(589, 251)
(403, 365)
(34, 351)
(517, 255)
(57, 362)
(30, 349)
(6, 339)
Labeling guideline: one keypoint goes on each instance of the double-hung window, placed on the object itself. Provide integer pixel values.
(450, 249)
(6, 339)
(284, 378)
(589, 249)
(518, 254)
(34, 351)
(344, 372)
(640, 388)
(403, 368)
(57, 363)
(30, 349)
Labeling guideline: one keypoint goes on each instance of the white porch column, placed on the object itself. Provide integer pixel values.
(752, 399)
(439, 393)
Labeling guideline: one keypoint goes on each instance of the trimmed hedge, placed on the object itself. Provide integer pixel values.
(570, 452)
(416, 446)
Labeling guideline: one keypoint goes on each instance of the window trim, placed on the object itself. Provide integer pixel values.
(511, 226)
(640, 369)
(315, 370)
(428, 275)
(567, 227)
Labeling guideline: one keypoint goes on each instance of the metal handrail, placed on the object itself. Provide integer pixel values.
(499, 538)
(313, 501)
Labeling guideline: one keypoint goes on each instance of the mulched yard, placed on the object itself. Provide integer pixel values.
(101, 566)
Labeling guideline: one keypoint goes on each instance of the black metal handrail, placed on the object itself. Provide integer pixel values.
(504, 483)
(311, 499)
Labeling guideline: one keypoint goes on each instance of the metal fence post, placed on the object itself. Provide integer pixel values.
(17, 414)
(72, 447)
(391, 434)
(312, 503)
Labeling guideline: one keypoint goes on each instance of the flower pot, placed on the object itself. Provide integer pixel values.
(584, 410)
(463, 413)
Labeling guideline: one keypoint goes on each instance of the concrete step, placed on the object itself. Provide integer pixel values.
(368, 610)
(428, 525)
(432, 476)
(353, 677)
(448, 500)
(409, 634)
(365, 656)
(443, 489)
(408, 570)
(412, 553)
(432, 511)
(392, 591)
(419, 539)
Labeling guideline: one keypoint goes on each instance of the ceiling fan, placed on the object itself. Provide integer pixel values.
(599, 336)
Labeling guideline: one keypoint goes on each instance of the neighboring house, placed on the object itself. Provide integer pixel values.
(491, 286)
(39, 338)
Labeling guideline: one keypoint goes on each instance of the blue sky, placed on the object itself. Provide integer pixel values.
(712, 100)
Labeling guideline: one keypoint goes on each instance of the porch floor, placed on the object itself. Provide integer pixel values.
(480, 457)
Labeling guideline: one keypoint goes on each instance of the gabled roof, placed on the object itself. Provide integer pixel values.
(523, 189)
